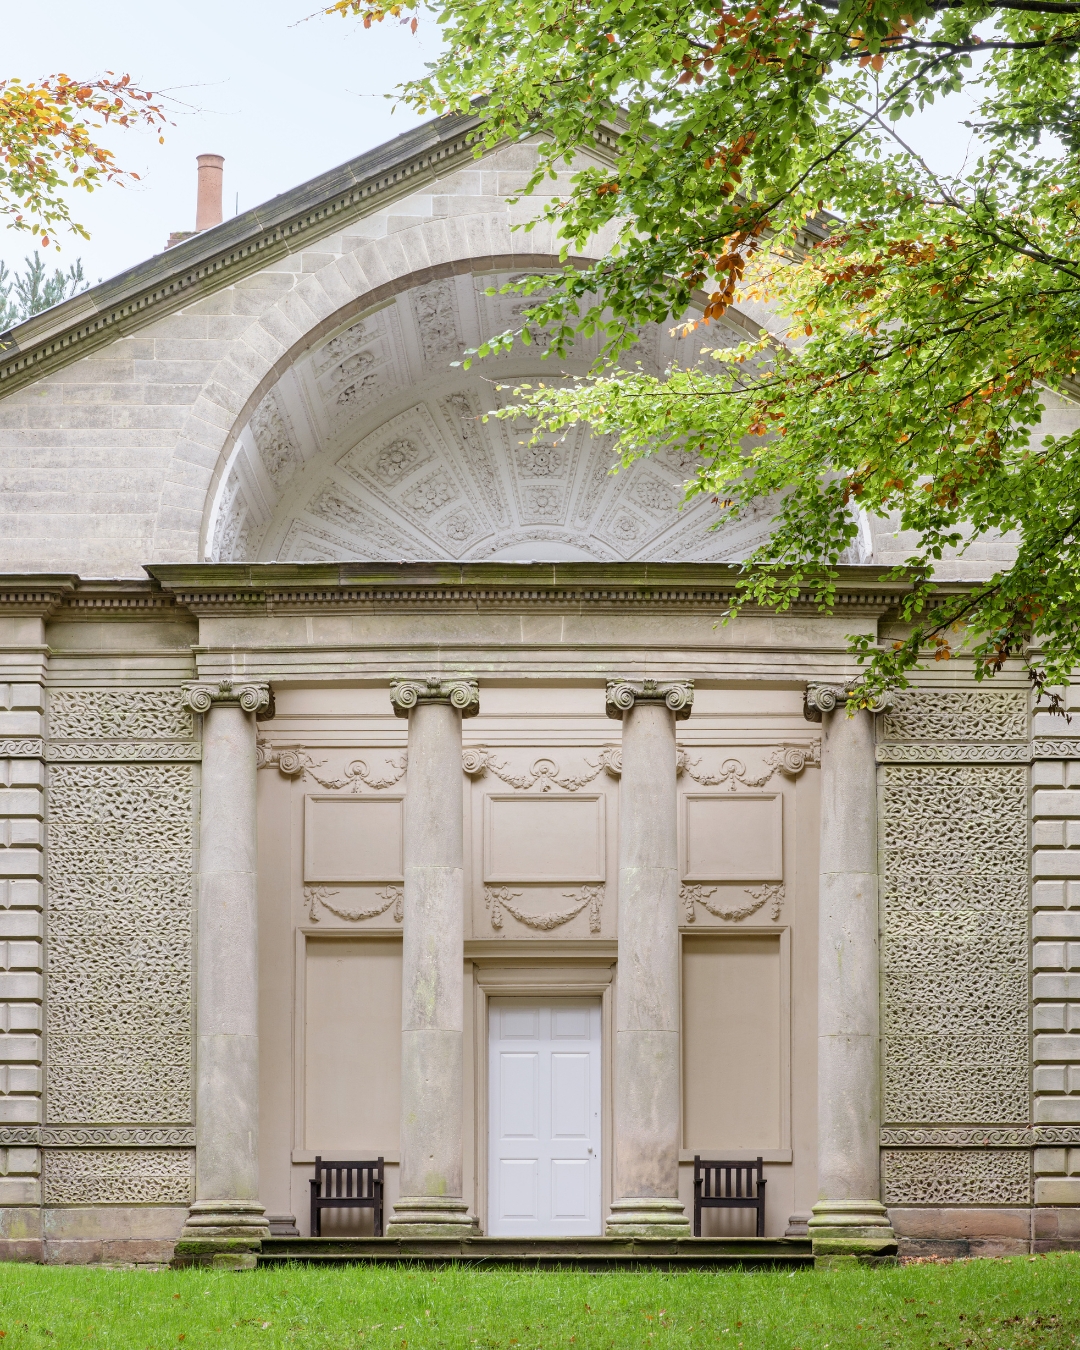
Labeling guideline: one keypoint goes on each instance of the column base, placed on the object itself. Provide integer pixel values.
(647, 1217)
(851, 1230)
(431, 1216)
(225, 1234)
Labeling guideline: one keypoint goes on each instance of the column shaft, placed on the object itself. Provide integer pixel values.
(226, 1221)
(432, 1010)
(647, 1020)
(849, 1217)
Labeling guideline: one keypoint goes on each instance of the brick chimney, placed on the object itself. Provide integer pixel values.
(208, 204)
(208, 210)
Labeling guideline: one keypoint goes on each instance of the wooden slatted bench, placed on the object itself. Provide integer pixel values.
(356, 1184)
(723, 1183)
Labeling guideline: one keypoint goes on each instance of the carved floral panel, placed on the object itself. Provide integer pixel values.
(118, 714)
(106, 1176)
(119, 963)
(917, 1176)
(956, 715)
(953, 843)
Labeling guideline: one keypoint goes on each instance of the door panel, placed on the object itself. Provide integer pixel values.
(517, 1188)
(569, 1096)
(518, 1095)
(544, 1132)
(569, 1188)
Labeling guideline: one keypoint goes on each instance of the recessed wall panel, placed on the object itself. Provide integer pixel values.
(352, 838)
(733, 1061)
(544, 839)
(352, 1046)
(733, 837)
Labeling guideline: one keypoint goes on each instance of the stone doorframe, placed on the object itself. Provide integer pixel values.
(540, 969)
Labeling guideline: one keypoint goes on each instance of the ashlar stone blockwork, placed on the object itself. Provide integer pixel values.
(1056, 970)
(954, 920)
(22, 813)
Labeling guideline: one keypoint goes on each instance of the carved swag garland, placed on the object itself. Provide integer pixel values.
(296, 762)
(477, 761)
(314, 896)
(499, 898)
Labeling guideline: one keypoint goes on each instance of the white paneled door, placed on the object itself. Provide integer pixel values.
(544, 1106)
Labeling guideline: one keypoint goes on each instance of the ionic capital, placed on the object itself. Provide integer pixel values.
(252, 696)
(823, 698)
(623, 694)
(464, 695)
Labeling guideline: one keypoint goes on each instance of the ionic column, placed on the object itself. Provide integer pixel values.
(226, 1222)
(849, 1218)
(647, 1067)
(432, 974)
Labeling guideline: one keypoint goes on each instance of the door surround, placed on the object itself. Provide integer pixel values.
(540, 969)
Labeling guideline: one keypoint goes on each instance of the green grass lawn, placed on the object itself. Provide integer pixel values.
(999, 1305)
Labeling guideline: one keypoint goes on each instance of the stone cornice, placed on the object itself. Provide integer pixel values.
(92, 599)
(212, 589)
(216, 589)
(37, 595)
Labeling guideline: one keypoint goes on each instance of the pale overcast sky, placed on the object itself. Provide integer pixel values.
(281, 100)
(281, 103)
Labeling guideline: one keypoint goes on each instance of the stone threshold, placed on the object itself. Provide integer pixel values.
(594, 1253)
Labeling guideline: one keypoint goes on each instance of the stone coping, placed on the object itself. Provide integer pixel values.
(221, 256)
(596, 1253)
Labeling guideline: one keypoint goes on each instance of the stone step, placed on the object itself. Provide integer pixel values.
(595, 1253)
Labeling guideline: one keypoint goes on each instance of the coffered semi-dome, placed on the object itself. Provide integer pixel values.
(372, 447)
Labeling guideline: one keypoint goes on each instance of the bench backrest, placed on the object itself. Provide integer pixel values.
(348, 1180)
(728, 1178)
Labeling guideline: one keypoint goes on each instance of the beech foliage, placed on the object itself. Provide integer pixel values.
(760, 149)
(49, 142)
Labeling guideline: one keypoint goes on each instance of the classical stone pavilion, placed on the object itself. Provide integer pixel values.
(378, 783)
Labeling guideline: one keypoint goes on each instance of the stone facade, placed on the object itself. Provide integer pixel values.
(381, 726)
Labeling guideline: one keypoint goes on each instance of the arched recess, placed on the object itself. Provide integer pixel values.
(364, 441)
